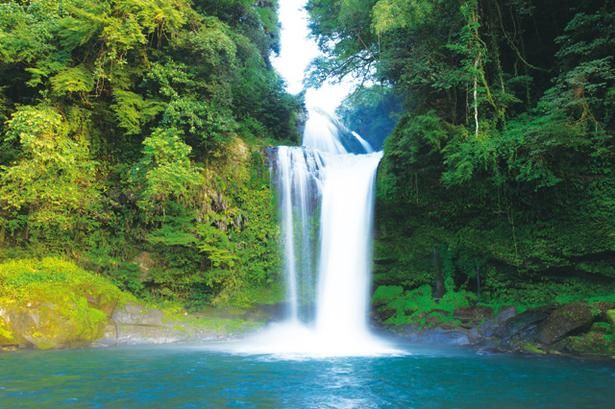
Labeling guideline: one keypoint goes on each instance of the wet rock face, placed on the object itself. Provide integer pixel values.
(564, 321)
(523, 326)
(135, 314)
(488, 327)
(472, 316)
(134, 324)
(434, 336)
(131, 334)
(268, 312)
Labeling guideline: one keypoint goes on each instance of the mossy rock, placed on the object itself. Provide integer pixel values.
(603, 327)
(565, 320)
(610, 316)
(593, 342)
(531, 348)
(53, 303)
(54, 318)
(7, 337)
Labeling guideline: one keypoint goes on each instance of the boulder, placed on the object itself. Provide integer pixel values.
(591, 343)
(610, 316)
(563, 321)
(506, 314)
(55, 323)
(522, 326)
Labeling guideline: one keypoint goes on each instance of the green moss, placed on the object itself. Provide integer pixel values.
(531, 348)
(6, 333)
(593, 342)
(53, 303)
(603, 327)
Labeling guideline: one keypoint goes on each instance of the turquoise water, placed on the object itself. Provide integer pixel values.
(191, 377)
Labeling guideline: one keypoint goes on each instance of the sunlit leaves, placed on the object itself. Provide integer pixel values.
(132, 111)
(52, 184)
(213, 44)
(168, 173)
(76, 79)
(389, 15)
(25, 33)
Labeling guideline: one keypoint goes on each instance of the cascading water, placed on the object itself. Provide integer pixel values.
(326, 212)
(326, 199)
(298, 183)
(346, 224)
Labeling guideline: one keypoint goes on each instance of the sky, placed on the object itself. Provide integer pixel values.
(297, 51)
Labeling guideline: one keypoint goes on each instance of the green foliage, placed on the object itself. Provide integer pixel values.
(168, 173)
(240, 239)
(503, 150)
(50, 190)
(115, 119)
(389, 15)
(77, 79)
(132, 111)
(417, 306)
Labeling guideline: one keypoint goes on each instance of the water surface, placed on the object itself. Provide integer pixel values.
(193, 377)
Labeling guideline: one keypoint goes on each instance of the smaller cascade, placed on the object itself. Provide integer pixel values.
(298, 180)
(321, 133)
(364, 144)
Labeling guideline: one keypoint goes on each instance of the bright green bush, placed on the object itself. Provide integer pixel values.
(417, 306)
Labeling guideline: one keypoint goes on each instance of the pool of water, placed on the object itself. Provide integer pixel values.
(198, 377)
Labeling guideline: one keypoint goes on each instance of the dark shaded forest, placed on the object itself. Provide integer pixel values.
(498, 180)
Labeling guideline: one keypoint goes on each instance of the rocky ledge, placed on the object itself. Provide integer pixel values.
(571, 329)
(129, 324)
(134, 324)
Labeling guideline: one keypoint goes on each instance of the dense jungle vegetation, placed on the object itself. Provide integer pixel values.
(132, 132)
(131, 135)
(498, 180)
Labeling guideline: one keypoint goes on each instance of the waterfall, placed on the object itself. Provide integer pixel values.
(326, 198)
(298, 183)
(342, 183)
(326, 201)
(345, 238)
